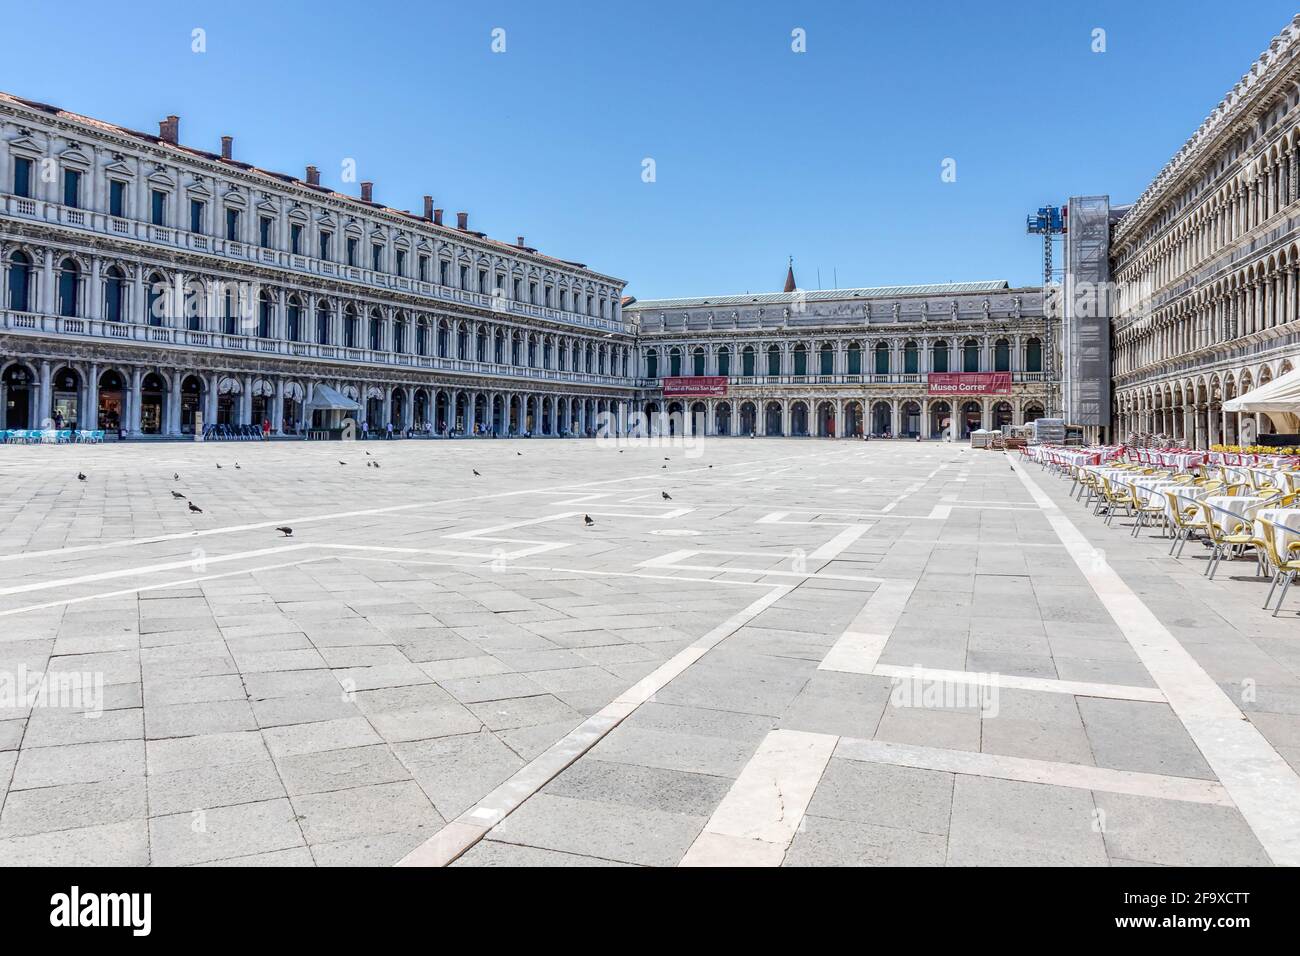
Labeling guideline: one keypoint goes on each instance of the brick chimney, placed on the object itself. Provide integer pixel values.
(169, 130)
(520, 242)
(367, 191)
(462, 220)
(428, 207)
(313, 176)
(227, 146)
(437, 217)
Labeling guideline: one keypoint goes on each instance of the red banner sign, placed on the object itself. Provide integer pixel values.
(970, 383)
(693, 385)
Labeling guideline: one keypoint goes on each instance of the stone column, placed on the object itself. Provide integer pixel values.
(277, 408)
(44, 397)
(90, 414)
(134, 401)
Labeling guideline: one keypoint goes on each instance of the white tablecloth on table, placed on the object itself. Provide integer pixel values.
(1187, 495)
(1241, 508)
(1288, 518)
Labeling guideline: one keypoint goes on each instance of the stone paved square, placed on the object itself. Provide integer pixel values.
(815, 653)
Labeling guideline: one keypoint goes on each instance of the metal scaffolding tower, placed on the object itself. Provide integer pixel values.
(1050, 223)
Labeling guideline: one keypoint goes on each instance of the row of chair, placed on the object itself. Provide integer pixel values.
(50, 436)
(1184, 517)
(232, 433)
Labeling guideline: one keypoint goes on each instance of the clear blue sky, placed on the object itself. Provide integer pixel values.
(832, 156)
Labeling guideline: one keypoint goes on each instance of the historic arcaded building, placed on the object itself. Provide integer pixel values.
(151, 286)
(1206, 266)
(898, 360)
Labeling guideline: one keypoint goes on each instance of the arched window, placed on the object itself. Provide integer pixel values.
(1033, 356)
(697, 361)
(855, 358)
(911, 359)
(882, 358)
(940, 359)
(322, 323)
(462, 341)
(675, 362)
(265, 314)
(293, 320)
(229, 312)
(747, 361)
(773, 360)
(20, 282)
(652, 364)
(350, 328)
(114, 294)
(421, 337)
(399, 334)
(156, 300)
(724, 361)
(970, 356)
(69, 287)
(1001, 356)
(800, 360)
(827, 360)
(443, 333)
(376, 331)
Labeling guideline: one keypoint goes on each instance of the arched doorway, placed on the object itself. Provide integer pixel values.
(675, 422)
(972, 417)
(748, 418)
(722, 419)
(374, 411)
(799, 420)
(112, 400)
(881, 419)
(153, 399)
(397, 409)
(294, 396)
(227, 402)
(440, 412)
(910, 419)
(191, 403)
(65, 407)
(772, 419)
(1033, 412)
(853, 420)
(825, 420)
(421, 407)
(1002, 415)
(940, 419)
(481, 411)
(20, 396)
(263, 395)
(699, 420)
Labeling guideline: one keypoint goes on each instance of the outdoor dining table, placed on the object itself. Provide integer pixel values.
(1186, 495)
(1286, 525)
(1224, 508)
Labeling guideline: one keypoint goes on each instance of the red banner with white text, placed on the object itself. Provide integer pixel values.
(970, 383)
(713, 386)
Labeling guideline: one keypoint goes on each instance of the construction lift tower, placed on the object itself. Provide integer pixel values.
(1049, 222)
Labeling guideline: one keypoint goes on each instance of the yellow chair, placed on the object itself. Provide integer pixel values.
(1285, 565)
(1223, 542)
(1184, 516)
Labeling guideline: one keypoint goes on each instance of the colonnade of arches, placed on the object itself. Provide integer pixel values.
(833, 417)
(149, 400)
(1189, 411)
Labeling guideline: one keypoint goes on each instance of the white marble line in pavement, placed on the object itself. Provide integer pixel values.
(859, 647)
(158, 587)
(760, 814)
(474, 824)
(146, 569)
(1014, 682)
(758, 818)
(1027, 770)
(1264, 787)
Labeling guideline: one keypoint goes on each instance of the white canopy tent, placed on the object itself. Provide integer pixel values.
(1278, 398)
(324, 398)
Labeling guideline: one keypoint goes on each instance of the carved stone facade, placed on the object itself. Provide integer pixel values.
(151, 286)
(1207, 267)
(845, 361)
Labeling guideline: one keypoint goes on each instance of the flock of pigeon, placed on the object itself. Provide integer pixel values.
(288, 532)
